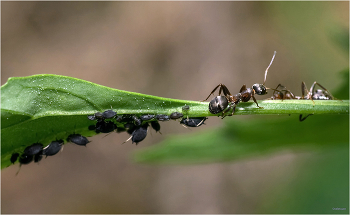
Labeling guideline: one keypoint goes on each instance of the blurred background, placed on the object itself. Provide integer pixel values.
(177, 50)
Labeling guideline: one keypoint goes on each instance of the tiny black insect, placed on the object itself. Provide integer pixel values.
(33, 149)
(156, 126)
(14, 157)
(53, 148)
(25, 159)
(126, 118)
(138, 134)
(193, 122)
(162, 117)
(97, 116)
(176, 115)
(137, 121)
(109, 114)
(78, 139)
(105, 127)
(102, 116)
(119, 118)
(186, 108)
(147, 117)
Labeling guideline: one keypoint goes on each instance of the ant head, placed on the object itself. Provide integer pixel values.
(259, 89)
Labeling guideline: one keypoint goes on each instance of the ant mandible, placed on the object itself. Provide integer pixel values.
(227, 102)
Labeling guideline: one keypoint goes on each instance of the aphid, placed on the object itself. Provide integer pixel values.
(33, 149)
(14, 157)
(105, 127)
(176, 115)
(25, 159)
(78, 139)
(147, 117)
(119, 118)
(227, 102)
(53, 148)
(162, 117)
(186, 108)
(97, 116)
(138, 134)
(137, 121)
(126, 118)
(102, 116)
(109, 114)
(156, 126)
(193, 122)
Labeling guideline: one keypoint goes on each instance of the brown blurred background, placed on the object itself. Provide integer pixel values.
(171, 49)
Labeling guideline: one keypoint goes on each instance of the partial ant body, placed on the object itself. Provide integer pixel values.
(227, 102)
(313, 94)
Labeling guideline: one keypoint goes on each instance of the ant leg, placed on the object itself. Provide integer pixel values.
(243, 88)
(225, 90)
(312, 90)
(212, 92)
(256, 102)
(225, 111)
(301, 117)
(292, 95)
(233, 109)
(303, 89)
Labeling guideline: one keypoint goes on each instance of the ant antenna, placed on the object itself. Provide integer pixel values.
(267, 69)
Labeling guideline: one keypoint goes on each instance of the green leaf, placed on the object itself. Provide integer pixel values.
(44, 108)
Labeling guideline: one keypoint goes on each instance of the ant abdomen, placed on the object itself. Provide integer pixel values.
(218, 104)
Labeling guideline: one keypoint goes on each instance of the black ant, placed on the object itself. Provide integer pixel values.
(319, 94)
(227, 102)
(313, 94)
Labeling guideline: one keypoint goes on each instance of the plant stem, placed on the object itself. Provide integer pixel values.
(281, 107)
